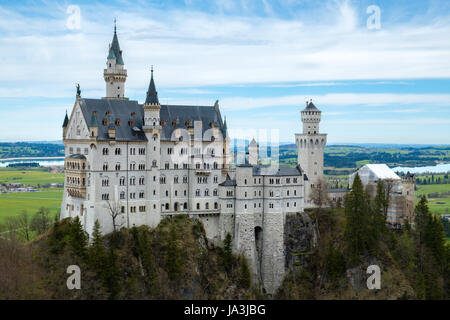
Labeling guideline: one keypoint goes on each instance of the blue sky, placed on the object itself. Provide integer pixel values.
(262, 59)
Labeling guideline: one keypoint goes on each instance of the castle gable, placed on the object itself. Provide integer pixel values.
(76, 126)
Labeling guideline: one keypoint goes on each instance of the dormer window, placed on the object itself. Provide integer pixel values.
(118, 122)
(131, 122)
(105, 122)
(133, 114)
(163, 122)
(174, 122)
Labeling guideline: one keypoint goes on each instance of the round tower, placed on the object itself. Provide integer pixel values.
(115, 74)
(310, 147)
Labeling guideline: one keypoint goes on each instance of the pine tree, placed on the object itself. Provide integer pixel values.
(77, 237)
(97, 253)
(227, 253)
(357, 227)
(379, 213)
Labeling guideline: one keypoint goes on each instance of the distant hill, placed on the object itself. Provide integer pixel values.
(30, 149)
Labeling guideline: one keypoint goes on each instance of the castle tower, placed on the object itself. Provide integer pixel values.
(310, 147)
(253, 150)
(408, 192)
(152, 129)
(115, 75)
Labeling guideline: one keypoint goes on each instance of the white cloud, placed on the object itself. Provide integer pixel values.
(195, 49)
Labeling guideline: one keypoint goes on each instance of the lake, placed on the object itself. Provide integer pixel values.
(45, 162)
(439, 168)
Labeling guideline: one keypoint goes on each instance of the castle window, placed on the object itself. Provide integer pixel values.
(215, 192)
(198, 206)
(118, 122)
(122, 181)
(105, 151)
(122, 195)
(207, 206)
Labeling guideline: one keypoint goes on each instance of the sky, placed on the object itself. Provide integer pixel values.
(379, 70)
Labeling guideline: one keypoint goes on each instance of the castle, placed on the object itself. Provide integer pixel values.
(129, 164)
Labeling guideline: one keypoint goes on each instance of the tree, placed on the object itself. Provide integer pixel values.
(77, 237)
(40, 222)
(357, 227)
(379, 212)
(115, 212)
(227, 253)
(319, 196)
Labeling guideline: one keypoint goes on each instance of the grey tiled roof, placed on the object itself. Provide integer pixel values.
(311, 107)
(114, 51)
(77, 156)
(152, 94)
(182, 114)
(120, 109)
(283, 170)
(228, 182)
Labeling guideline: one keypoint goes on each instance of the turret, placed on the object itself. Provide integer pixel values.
(311, 118)
(253, 152)
(64, 126)
(151, 107)
(115, 75)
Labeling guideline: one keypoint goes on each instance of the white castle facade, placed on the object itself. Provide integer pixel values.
(140, 163)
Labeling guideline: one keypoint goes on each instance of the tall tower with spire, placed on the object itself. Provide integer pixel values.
(310, 147)
(115, 74)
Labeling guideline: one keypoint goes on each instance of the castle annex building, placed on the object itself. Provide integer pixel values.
(129, 164)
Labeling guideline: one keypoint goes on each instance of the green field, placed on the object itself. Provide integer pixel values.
(437, 205)
(12, 204)
(30, 177)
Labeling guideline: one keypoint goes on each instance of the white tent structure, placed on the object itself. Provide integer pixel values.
(372, 173)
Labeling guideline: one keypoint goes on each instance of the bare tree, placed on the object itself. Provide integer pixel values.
(319, 196)
(23, 223)
(115, 211)
(388, 188)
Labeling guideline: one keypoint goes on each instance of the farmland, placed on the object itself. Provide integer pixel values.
(35, 177)
(14, 203)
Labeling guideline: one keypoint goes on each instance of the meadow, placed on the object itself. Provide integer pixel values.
(436, 205)
(13, 204)
(34, 177)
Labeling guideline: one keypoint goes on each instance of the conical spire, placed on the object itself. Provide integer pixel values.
(114, 49)
(152, 94)
(66, 120)
(224, 128)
